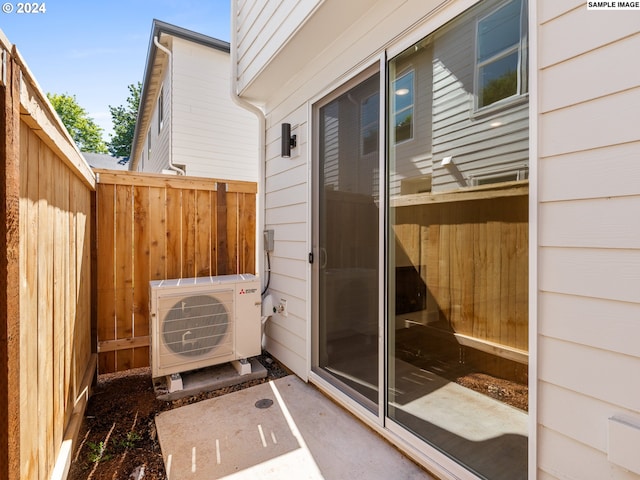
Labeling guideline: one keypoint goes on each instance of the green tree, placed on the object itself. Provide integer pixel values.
(84, 131)
(124, 122)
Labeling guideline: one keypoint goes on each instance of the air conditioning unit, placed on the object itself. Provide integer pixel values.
(200, 322)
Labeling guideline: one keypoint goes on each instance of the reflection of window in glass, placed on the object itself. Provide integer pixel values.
(369, 119)
(403, 90)
(500, 59)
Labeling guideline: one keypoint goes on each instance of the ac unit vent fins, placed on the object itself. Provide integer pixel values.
(196, 325)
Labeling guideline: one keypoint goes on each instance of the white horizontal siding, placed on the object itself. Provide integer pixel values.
(610, 120)
(605, 375)
(212, 136)
(550, 10)
(263, 27)
(599, 173)
(562, 458)
(580, 30)
(589, 236)
(599, 273)
(586, 420)
(286, 212)
(594, 322)
(607, 224)
(576, 81)
(158, 158)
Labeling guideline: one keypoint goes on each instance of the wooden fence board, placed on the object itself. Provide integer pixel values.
(105, 224)
(45, 310)
(247, 228)
(74, 198)
(222, 267)
(141, 269)
(476, 263)
(30, 168)
(178, 229)
(124, 272)
(213, 242)
(232, 240)
(173, 232)
(188, 228)
(47, 186)
(60, 242)
(202, 251)
(157, 237)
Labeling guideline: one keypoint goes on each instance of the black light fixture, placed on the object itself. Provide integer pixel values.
(288, 140)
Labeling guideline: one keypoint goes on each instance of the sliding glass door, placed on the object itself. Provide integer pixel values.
(457, 331)
(451, 347)
(346, 231)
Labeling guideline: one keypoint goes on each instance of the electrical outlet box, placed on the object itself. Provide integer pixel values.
(282, 308)
(268, 240)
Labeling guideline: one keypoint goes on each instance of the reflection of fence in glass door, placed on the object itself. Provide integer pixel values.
(471, 260)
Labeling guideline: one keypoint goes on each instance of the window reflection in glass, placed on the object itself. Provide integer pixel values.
(403, 91)
(499, 59)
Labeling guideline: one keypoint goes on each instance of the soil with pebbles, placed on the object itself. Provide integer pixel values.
(118, 438)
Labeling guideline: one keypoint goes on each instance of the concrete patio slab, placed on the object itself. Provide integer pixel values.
(277, 430)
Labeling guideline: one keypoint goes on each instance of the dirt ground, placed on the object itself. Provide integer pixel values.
(118, 436)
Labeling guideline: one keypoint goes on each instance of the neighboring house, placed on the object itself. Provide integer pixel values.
(187, 121)
(456, 223)
(104, 160)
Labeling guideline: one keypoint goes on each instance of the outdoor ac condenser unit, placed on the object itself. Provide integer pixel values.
(200, 322)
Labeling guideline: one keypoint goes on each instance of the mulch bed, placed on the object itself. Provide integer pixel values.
(118, 436)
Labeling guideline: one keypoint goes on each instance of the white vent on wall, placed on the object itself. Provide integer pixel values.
(199, 322)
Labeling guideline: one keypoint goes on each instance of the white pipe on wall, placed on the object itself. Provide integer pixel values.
(164, 49)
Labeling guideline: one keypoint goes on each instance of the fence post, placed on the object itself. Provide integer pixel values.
(9, 269)
(221, 234)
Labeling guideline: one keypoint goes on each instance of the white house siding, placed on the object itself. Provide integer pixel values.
(262, 29)
(212, 136)
(158, 157)
(589, 235)
(286, 212)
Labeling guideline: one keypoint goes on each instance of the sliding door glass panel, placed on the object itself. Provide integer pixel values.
(458, 240)
(347, 236)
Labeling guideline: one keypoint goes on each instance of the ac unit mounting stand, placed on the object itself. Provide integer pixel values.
(242, 366)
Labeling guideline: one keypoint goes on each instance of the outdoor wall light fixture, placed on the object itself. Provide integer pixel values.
(288, 140)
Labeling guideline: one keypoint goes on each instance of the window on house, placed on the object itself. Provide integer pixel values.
(161, 109)
(501, 54)
(403, 106)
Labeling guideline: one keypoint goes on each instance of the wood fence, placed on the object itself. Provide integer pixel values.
(155, 227)
(469, 255)
(75, 273)
(46, 360)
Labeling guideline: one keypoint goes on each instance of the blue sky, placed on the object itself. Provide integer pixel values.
(95, 49)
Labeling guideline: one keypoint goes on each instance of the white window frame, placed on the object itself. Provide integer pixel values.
(520, 47)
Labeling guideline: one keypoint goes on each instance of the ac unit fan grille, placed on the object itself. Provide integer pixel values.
(195, 325)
